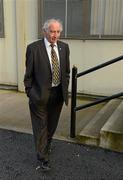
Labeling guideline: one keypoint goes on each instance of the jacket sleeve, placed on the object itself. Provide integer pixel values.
(28, 78)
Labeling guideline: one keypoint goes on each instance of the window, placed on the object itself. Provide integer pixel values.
(1, 20)
(85, 19)
(107, 18)
(72, 14)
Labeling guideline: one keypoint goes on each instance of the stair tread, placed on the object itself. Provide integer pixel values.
(115, 122)
(92, 129)
(88, 114)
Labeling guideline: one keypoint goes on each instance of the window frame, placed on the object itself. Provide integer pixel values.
(2, 35)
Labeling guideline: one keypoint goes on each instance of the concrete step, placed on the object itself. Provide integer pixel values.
(112, 131)
(83, 116)
(63, 128)
(90, 134)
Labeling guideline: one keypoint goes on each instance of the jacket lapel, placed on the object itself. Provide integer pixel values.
(60, 49)
(44, 53)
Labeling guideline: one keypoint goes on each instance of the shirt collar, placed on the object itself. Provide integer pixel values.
(47, 43)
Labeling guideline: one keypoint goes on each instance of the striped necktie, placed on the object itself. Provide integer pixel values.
(55, 66)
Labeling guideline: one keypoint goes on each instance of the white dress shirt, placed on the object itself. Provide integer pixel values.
(48, 48)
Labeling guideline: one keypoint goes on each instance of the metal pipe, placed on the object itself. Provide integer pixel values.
(74, 91)
(100, 66)
(98, 101)
(73, 101)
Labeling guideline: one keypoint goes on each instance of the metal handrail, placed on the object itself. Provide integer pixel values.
(99, 101)
(74, 92)
(100, 66)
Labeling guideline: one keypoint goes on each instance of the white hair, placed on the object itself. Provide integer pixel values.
(49, 21)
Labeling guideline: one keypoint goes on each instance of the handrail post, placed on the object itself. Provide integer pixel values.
(73, 101)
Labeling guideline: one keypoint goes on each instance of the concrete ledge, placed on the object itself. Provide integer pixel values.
(112, 131)
(111, 141)
(91, 132)
(88, 140)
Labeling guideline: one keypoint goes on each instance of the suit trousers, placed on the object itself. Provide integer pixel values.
(44, 119)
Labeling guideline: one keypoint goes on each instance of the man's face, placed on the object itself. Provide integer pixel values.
(54, 32)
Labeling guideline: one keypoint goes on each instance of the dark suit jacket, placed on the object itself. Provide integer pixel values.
(38, 76)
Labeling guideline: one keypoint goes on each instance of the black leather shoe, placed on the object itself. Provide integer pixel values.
(43, 166)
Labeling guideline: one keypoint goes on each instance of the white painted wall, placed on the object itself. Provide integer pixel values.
(27, 31)
(8, 61)
(87, 54)
(21, 27)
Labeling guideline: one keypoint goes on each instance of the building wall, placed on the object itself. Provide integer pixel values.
(8, 61)
(87, 54)
(21, 28)
(27, 31)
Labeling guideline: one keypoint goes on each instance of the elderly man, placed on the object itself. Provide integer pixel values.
(46, 84)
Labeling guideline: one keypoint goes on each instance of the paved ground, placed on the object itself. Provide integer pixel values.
(14, 114)
(69, 161)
